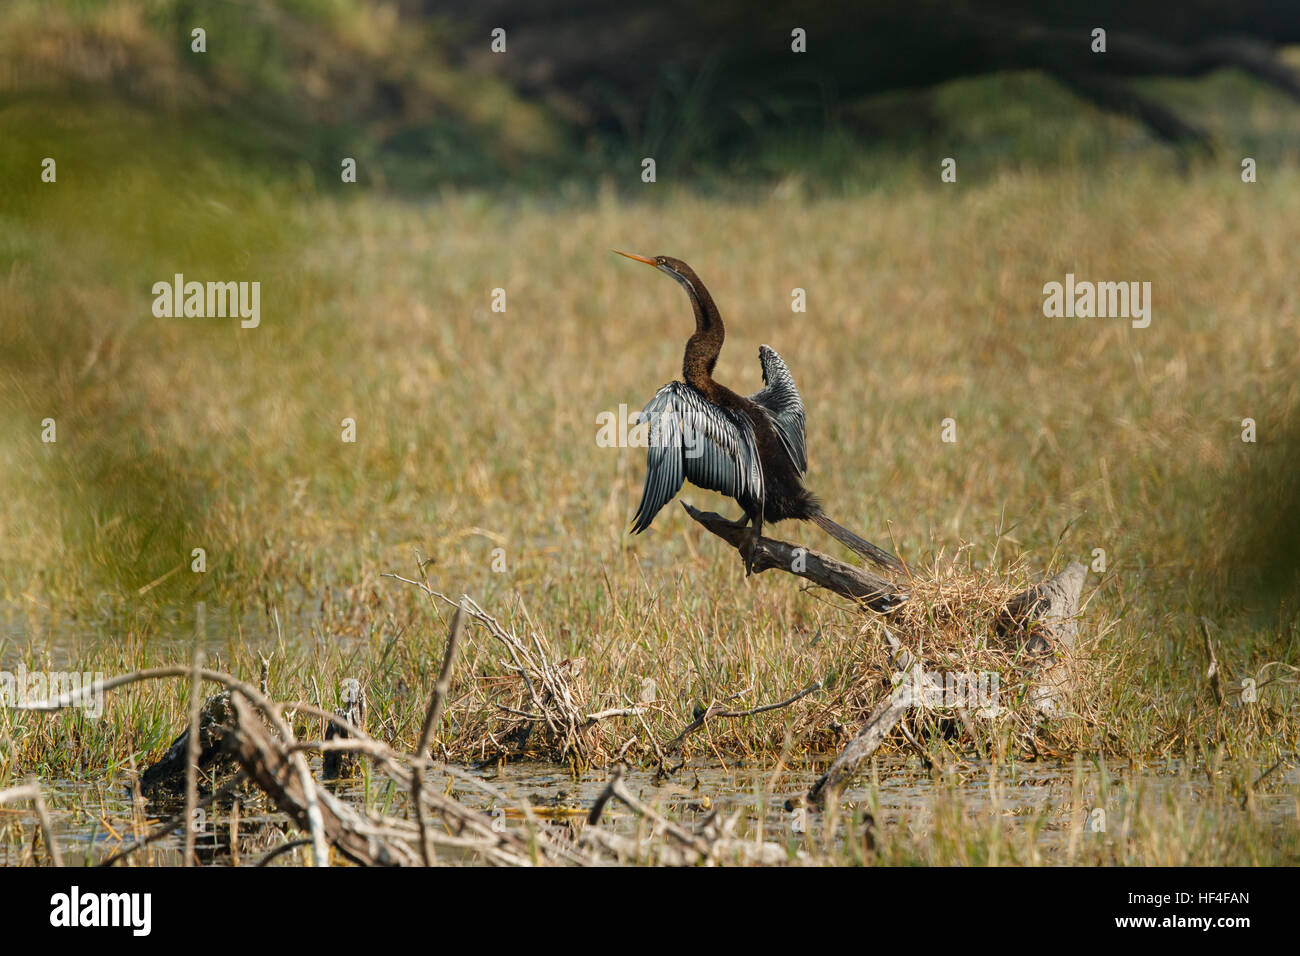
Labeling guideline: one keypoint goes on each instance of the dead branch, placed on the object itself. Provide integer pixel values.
(441, 688)
(853, 583)
(872, 734)
(443, 685)
(719, 710)
(316, 811)
(274, 761)
(597, 808)
(553, 690)
(192, 760)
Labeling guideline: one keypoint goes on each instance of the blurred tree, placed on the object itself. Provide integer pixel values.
(601, 64)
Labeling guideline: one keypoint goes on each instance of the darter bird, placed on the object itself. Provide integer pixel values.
(750, 449)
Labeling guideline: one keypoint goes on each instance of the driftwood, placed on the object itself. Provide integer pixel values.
(246, 731)
(875, 592)
(878, 725)
(234, 738)
(269, 765)
(271, 710)
(262, 746)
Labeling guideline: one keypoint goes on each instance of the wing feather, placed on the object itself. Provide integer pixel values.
(781, 399)
(691, 439)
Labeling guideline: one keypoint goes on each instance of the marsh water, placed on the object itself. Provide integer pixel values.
(1042, 809)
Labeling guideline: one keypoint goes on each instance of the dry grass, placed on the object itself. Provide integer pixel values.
(477, 431)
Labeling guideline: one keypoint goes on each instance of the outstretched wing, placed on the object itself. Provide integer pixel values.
(694, 440)
(781, 399)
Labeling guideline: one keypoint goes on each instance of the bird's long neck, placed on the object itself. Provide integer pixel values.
(704, 347)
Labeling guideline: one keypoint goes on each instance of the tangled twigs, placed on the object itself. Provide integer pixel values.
(720, 710)
(312, 808)
(551, 693)
(275, 761)
(273, 712)
(254, 733)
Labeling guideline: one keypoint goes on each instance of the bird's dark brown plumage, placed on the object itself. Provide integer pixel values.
(750, 448)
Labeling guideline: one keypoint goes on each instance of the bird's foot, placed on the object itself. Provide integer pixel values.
(750, 550)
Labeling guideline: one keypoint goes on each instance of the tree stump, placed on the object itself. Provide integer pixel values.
(167, 775)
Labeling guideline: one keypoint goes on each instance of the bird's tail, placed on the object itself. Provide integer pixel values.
(861, 545)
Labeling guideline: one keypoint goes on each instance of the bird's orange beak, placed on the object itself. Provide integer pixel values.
(633, 255)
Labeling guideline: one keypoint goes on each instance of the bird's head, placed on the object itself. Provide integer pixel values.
(674, 267)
